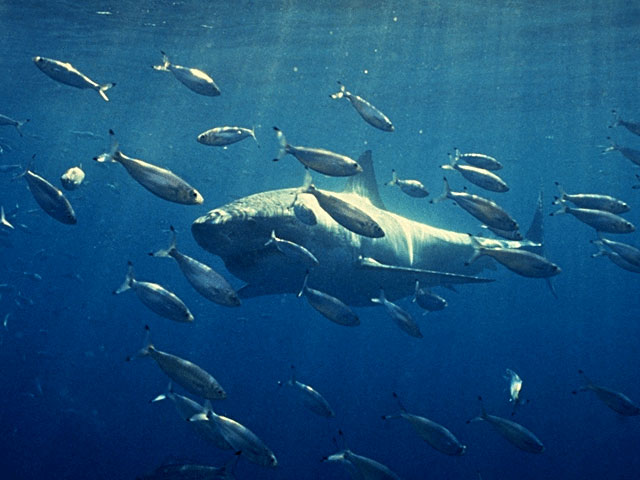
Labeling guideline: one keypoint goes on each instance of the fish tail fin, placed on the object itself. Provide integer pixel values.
(415, 292)
(19, 125)
(304, 284)
(272, 239)
(616, 118)
(146, 348)
(113, 152)
(610, 148)
(563, 209)
(601, 250)
(3, 219)
(163, 396)
(252, 132)
(341, 93)
(587, 381)
(292, 380)
(477, 250)
(307, 183)
(128, 281)
(380, 299)
(402, 409)
(165, 63)
(282, 142)
(172, 246)
(103, 88)
(394, 178)
(563, 194)
(445, 192)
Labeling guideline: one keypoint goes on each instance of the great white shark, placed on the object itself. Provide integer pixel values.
(351, 267)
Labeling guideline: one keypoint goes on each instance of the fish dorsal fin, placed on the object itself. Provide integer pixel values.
(364, 183)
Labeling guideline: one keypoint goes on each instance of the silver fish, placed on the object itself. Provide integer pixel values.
(515, 386)
(368, 112)
(401, 317)
(439, 437)
(4, 120)
(413, 188)
(592, 200)
(187, 408)
(428, 300)
(362, 468)
(293, 251)
(194, 79)
(330, 307)
(346, 214)
(629, 153)
(478, 176)
(239, 437)
(515, 433)
(522, 262)
(615, 257)
(485, 210)
(50, 199)
(310, 397)
(633, 127)
(159, 181)
(616, 401)
(601, 220)
(66, 73)
(72, 178)
(479, 160)
(318, 159)
(207, 282)
(157, 298)
(221, 136)
(629, 253)
(185, 373)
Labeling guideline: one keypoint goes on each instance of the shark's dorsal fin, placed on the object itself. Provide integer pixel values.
(365, 184)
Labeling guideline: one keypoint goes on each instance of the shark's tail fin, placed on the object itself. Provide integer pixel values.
(535, 234)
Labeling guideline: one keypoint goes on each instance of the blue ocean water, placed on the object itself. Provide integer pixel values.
(531, 83)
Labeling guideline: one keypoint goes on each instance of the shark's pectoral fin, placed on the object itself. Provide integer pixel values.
(430, 277)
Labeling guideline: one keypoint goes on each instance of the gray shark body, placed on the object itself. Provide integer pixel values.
(351, 267)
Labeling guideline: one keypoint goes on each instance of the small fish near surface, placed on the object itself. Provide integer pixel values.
(328, 306)
(439, 437)
(50, 199)
(479, 160)
(413, 188)
(522, 262)
(401, 317)
(428, 300)
(72, 178)
(4, 120)
(222, 136)
(601, 220)
(592, 200)
(629, 153)
(159, 181)
(485, 210)
(66, 73)
(362, 468)
(206, 281)
(157, 298)
(633, 127)
(368, 112)
(515, 433)
(239, 437)
(318, 159)
(616, 401)
(292, 251)
(310, 397)
(187, 408)
(478, 176)
(185, 373)
(194, 79)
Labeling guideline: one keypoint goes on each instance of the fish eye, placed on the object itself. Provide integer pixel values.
(194, 193)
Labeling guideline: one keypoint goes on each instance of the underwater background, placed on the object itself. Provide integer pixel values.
(530, 83)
